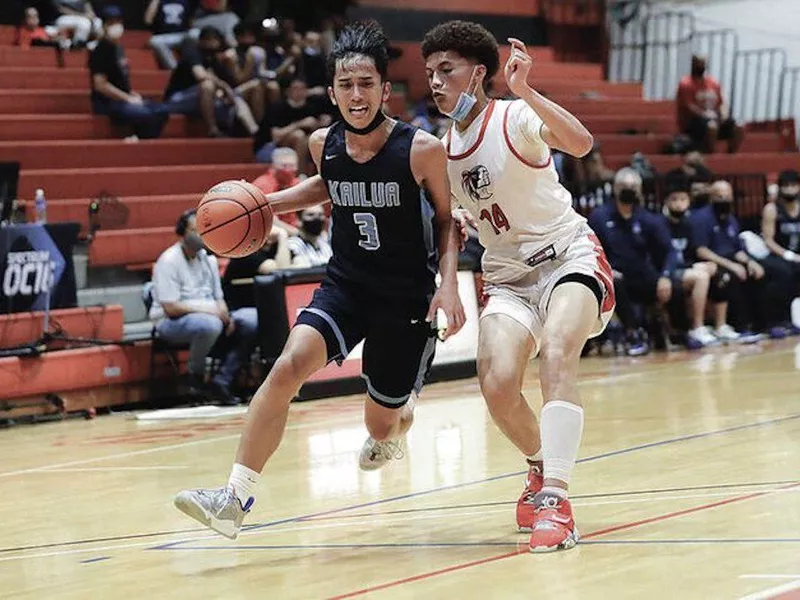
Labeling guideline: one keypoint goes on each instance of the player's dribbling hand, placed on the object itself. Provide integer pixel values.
(517, 67)
(446, 298)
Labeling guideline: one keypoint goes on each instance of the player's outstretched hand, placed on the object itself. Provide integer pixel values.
(462, 218)
(517, 67)
(447, 299)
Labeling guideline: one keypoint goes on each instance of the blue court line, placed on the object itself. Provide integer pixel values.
(94, 560)
(485, 544)
(692, 488)
(628, 450)
(120, 538)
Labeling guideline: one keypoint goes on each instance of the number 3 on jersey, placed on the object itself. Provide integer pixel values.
(497, 218)
(368, 228)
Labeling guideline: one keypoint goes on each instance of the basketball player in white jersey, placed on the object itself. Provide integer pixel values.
(548, 282)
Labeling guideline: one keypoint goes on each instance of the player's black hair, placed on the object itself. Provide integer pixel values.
(362, 38)
(470, 40)
(183, 221)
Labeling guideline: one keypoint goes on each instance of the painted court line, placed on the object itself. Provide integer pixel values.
(786, 591)
(769, 576)
(599, 532)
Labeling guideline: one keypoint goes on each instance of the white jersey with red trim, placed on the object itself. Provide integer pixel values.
(501, 171)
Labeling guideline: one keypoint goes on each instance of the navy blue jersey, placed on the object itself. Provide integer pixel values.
(383, 230)
(787, 229)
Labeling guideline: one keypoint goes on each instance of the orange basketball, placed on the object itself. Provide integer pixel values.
(234, 219)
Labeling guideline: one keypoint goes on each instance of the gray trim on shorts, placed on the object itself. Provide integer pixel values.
(336, 331)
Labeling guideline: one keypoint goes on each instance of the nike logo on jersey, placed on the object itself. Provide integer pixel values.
(330, 156)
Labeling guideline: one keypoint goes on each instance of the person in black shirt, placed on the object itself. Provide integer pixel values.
(314, 69)
(693, 277)
(289, 122)
(169, 20)
(111, 89)
(780, 228)
(199, 80)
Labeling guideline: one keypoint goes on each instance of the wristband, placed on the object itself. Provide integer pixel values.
(790, 256)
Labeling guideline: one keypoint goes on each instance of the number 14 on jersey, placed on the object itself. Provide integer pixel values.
(496, 218)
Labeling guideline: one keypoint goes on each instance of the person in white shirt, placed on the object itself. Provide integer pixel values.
(549, 285)
(189, 308)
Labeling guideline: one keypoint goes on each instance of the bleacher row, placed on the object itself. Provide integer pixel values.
(46, 124)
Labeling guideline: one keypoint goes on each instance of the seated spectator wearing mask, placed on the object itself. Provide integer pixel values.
(702, 113)
(310, 247)
(111, 88)
(290, 122)
(281, 174)
(194, 85)
(244, 62)
(190, 309)
(639, 249)
(716, 234)
(314, 65)
(79, 16)
(697, 278)
(780, 228)
(169, 21)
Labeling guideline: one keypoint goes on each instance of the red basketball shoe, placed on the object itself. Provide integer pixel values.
(553, 525)
(525, 505)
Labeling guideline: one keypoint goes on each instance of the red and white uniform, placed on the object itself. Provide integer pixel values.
(501, 171)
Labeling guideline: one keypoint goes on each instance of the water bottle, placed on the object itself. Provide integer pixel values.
(41, 206)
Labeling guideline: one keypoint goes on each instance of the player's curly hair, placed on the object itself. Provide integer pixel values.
(362, 38)
(470, 40)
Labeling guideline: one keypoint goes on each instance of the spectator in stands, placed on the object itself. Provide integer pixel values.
(272, 256)
(281, 174)
(197, 83)
(190, 309)
(638, 247)
(314, 67)
(111, 89)
(780, 228)
(695, 277)
(290, 122)
(589, 179)
(79, 16)
(716, 234)
(694, 163)
(702, 113)
(216, 14)
(169, 21)
(310, 247)
(700, 186)
(245, 62)
(31, 33)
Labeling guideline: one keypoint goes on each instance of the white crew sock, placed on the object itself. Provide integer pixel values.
(534, 457)
(561, 428)
(243, 482)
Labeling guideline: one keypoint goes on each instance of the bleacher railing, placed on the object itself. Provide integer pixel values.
(655, 48)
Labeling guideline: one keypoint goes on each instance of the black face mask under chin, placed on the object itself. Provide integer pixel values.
(677, 214)
(789, 197)
(628, 197)
(376, 122)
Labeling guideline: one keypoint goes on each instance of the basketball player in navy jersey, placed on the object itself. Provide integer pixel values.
(390, 192)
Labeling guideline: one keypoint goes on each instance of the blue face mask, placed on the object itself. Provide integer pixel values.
(466, 101)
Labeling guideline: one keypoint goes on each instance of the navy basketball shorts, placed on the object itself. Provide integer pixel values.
(398, 344)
